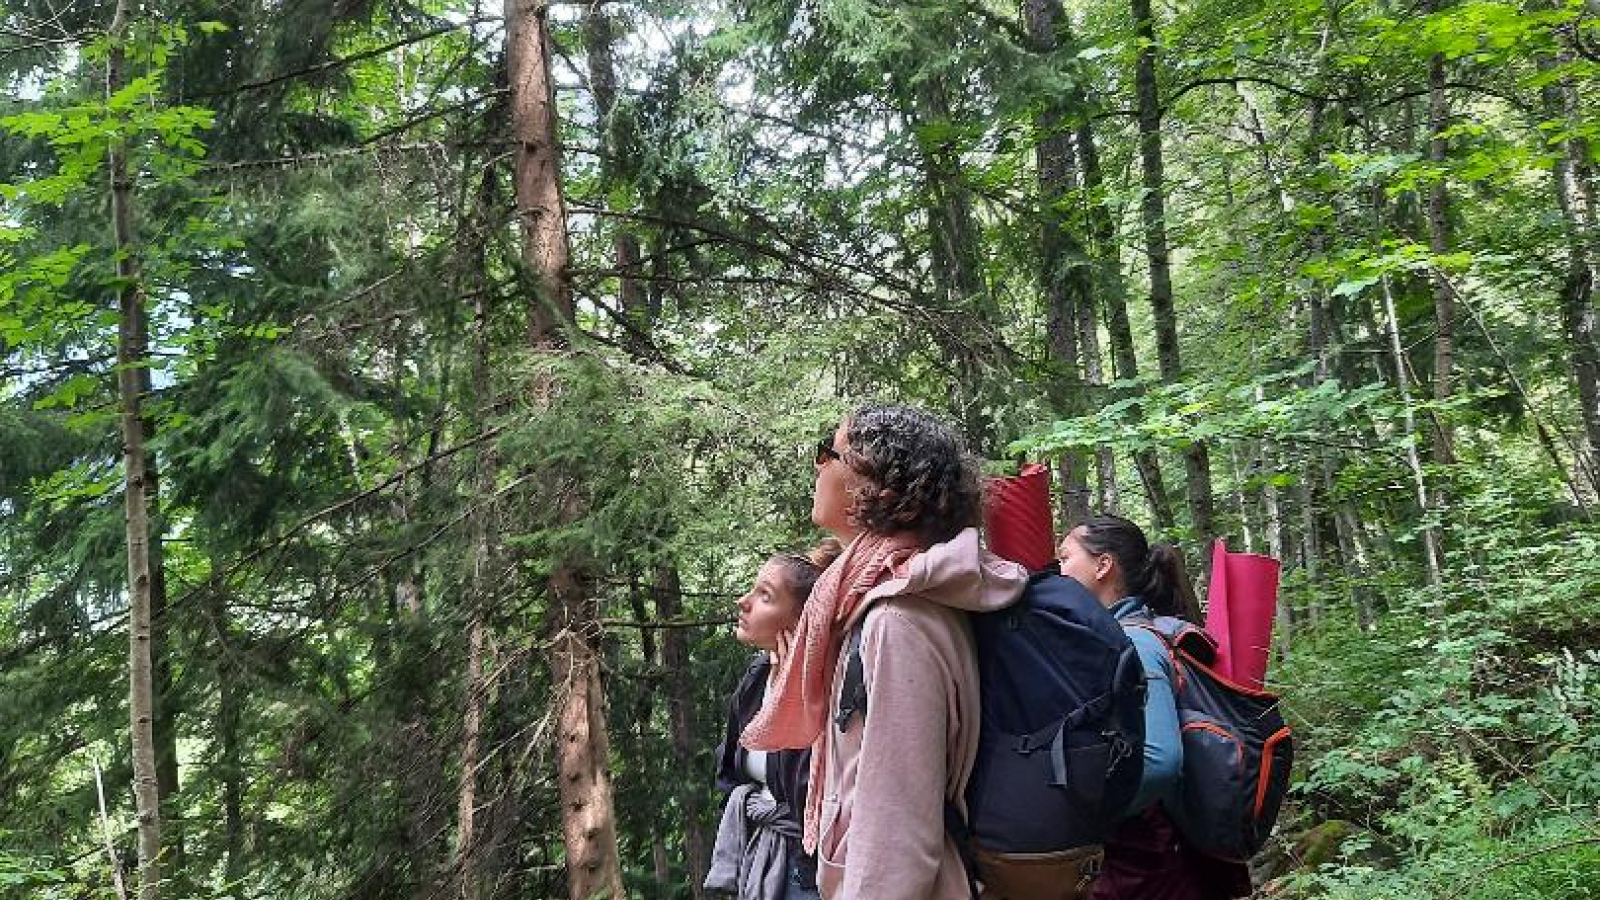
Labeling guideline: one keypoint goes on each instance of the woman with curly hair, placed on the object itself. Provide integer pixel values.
(896, 487)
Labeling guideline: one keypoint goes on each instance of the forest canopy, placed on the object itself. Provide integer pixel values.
(395, 397)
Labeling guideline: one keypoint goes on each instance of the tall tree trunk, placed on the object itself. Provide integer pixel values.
(583, 777)
(482, 527)
(1353, 547)
(1088, 328)
(599, 39)
(230, 762)
(1196, 462)
(969, 335)
(541, 208)
(1064, 277)
(1430, 537)
(467, 862)
(1277, 535)
(1310, 539)
(1438, 216)
(164, 729)
(594, 867)
(1113, 290)
(676, 670)
(1240, 507)
(1573, 183)
(132, 354)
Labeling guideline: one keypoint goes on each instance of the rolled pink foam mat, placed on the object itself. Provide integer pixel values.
(1242, 603)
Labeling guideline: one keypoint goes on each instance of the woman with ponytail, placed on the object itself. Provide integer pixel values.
(758, 855)
(1146, 858)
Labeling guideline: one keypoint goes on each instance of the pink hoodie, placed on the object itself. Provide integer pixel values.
(886, 780)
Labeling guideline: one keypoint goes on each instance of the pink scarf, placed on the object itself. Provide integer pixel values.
(800, 693)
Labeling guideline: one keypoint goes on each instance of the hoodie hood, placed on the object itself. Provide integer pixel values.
(959, 574)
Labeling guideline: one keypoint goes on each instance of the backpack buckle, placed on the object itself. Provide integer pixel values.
(1120, 748)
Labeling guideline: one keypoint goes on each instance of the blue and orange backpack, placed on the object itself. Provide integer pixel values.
(1237, 749)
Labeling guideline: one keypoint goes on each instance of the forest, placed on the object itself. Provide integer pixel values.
(395, 395)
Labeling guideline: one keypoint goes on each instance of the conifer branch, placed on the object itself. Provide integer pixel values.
(343, 61)
(1348, 99)
(430, 115)
(666, 623)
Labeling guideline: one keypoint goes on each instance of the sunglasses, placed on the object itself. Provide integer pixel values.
(825, 451)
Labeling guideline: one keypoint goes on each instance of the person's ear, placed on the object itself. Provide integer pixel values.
(1102, 566)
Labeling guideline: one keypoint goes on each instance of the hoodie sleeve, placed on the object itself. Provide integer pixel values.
(897, 827)
(1163, 742)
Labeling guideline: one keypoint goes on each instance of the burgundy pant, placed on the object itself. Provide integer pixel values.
(1147, 860)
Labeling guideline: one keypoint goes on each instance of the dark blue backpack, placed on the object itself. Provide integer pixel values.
(1237, 751)
(1061, 743)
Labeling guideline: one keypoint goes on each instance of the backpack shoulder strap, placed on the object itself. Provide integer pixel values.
(1155, 628)
(956, 827)
(1189, 638)
(853, 695)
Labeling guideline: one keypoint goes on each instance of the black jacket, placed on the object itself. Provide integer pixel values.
(788, 771)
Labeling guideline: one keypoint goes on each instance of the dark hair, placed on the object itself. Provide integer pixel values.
(801, 570)
(918, 475)
(1156, 573)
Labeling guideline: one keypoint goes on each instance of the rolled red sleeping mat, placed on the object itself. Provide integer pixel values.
(1017, 521)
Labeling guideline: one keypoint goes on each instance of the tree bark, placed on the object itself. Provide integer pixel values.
(1277, 544)
(132, 357)
(541, 208)
(1444, 315)
(482, 527)
(1064, 277)
(472, 731)
(583, 777)
(582, 749)
(230, 763)
(1310, 539)
(676, 670)
(164, 728)
(1430, 538)
(1106, 496)
(599, 38)
(1108, 267)
(1573, 184)
(1240, 506)
(1197, 464)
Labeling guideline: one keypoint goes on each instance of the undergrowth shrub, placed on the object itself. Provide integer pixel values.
(1457, 736)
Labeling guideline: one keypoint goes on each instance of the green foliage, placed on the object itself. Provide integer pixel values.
(359, 458)
(1461, 734)
(24, 875)
(1174, 416)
